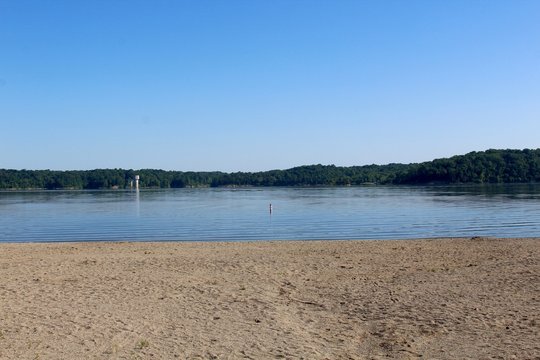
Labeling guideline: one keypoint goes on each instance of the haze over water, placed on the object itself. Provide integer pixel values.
(373, 212)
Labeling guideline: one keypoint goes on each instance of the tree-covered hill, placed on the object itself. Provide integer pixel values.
(491, 166)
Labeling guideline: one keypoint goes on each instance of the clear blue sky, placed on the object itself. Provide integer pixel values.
(257, 85)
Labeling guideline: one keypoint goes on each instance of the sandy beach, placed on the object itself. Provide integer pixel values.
(435, 299)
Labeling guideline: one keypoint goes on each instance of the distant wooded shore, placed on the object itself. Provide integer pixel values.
(485, 167)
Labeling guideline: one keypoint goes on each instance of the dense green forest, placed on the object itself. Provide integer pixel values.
(491, 166)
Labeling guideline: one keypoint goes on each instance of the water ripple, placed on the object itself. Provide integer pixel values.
(299, 213)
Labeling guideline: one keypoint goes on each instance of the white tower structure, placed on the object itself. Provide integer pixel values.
(137, 182)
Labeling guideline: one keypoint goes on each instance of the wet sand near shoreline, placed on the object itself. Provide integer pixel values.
(473, 298)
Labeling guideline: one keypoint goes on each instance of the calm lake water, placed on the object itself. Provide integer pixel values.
(370, 212)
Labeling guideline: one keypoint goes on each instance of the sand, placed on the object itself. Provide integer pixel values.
(406, 299)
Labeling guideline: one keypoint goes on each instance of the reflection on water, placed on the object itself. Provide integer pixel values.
(373, 212)
(138, 201)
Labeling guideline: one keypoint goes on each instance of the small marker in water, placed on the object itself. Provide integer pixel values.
(270, 208)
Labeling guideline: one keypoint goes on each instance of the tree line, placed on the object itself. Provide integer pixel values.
(491, 166)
